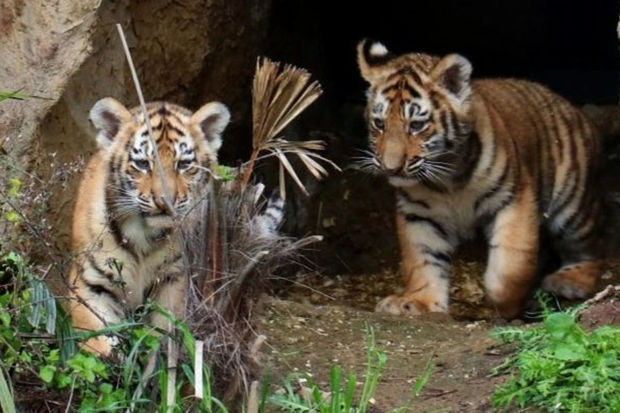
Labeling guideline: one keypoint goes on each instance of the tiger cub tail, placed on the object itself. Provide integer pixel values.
(267, 223)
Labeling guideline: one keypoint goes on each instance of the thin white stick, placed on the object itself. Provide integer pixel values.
(199, 390)
(173, 356)
(253, 402)
(136, 81)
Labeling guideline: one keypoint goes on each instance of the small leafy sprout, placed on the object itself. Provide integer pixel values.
(341, 397)
(225, 173)
(562, 368)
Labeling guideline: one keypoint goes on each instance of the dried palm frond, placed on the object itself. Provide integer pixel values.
(227, 254)
(222, 297)
(280, 94)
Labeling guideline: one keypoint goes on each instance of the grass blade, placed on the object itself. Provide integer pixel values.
(422, 381)
(7, 402)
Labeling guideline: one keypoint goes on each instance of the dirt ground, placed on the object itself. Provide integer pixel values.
(320, 321)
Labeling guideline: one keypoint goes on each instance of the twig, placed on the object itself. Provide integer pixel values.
(136, 81)
(173, 357)
(71, 395)
(198, 364)
(222, 305)
(601, 295)
(253, 401)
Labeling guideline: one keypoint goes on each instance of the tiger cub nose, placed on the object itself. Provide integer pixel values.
(160, 202)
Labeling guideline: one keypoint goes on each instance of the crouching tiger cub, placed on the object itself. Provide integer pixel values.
(123, 230)
(503, 155)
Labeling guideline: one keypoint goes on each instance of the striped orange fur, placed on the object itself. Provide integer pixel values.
(125, 239)
(504, 155)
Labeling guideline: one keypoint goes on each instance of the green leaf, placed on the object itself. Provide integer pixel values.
(559, 324)
(106, 388)
(13, 217)
(47, 373)
(7, 402)
(225, 173)
(15, 188)
(64, 380)
(16, 95)
(568, 352)
(424, 378)
(5, 317)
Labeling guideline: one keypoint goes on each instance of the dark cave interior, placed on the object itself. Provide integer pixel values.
(570, 46)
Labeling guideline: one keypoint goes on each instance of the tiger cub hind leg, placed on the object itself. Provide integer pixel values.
(578, 241)
(426, 249)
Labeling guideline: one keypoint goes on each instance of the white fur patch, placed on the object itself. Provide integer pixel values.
(378, 49)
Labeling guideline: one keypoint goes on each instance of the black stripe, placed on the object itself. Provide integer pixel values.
(433, 186)
(117, 234)
(148, 291)
(497, 186)
(566, 195)
(509, 200)
(414, 93)
(407, 198)
(102, 290)
(91, 260)
(444, 123)
(434, 100)
(534, 108)
(174, 128)
(389, 88)
(469, 160)
(493, 157)
(414, 218)
(440, 258)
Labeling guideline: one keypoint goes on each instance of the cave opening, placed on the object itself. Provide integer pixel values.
(569, 46)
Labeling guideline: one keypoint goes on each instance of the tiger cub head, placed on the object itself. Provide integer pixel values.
(186, 143)
(418, 112)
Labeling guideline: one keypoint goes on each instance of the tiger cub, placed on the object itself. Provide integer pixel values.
(124, 234)
(506, 156)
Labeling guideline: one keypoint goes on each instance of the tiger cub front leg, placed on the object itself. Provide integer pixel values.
(171, 295)
(426, 248)
(513, 254)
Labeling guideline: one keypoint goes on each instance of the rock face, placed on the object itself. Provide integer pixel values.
(42, 45)
(68, 53)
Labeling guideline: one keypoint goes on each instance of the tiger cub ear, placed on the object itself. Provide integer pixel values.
(453, 73)
(371, 55)
(107, 115)
(212, 119)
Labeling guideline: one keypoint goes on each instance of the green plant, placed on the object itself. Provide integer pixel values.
(16, 95)
(37, 342)
(341, 395)
(562, 368)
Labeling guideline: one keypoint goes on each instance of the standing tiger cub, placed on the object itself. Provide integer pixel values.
(124, 235)
(507, 156)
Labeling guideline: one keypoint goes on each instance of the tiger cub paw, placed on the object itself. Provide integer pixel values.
(568, 287)
(574, 282)
(409, 305)
(102, 346)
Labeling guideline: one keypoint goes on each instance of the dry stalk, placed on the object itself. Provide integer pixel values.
(136, 81)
